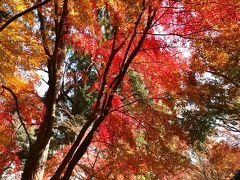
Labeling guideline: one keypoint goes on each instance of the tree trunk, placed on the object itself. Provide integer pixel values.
(34, 166)
(35, 159)
(40, 171)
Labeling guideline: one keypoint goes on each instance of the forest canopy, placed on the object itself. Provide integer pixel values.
(119, 89)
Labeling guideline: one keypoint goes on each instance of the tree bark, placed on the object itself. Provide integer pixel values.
(33, 162)
(36, 160)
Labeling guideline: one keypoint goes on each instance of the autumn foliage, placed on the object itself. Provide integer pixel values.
(119, 89)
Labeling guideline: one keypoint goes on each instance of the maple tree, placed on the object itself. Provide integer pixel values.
(212, 85)
(116, 83)
(218, 161)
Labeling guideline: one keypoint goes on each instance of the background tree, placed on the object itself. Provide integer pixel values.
(219, 161)
(212, 84)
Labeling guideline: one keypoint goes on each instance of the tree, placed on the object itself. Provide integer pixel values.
(212, 84)
(217, 161)
(110, 48)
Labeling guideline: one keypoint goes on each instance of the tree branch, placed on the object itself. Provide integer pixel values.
(224, 77)
(22, 13)
(43, 33)
(18, 112)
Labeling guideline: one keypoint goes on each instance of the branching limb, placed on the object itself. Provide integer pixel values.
(18, 112)
(43, 33)
(22, 13)
(224, 77)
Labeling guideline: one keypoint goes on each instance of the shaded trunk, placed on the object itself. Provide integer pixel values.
(36, 160)
(37, 156)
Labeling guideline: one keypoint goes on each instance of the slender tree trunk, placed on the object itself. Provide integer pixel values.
(36, 160)
(35, 156)
(38, 152)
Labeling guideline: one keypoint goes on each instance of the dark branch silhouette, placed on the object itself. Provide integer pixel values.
(19, 113)
(22, 13)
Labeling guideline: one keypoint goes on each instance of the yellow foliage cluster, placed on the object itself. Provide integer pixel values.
(4, 139)
(20, 47)
(123, 13)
